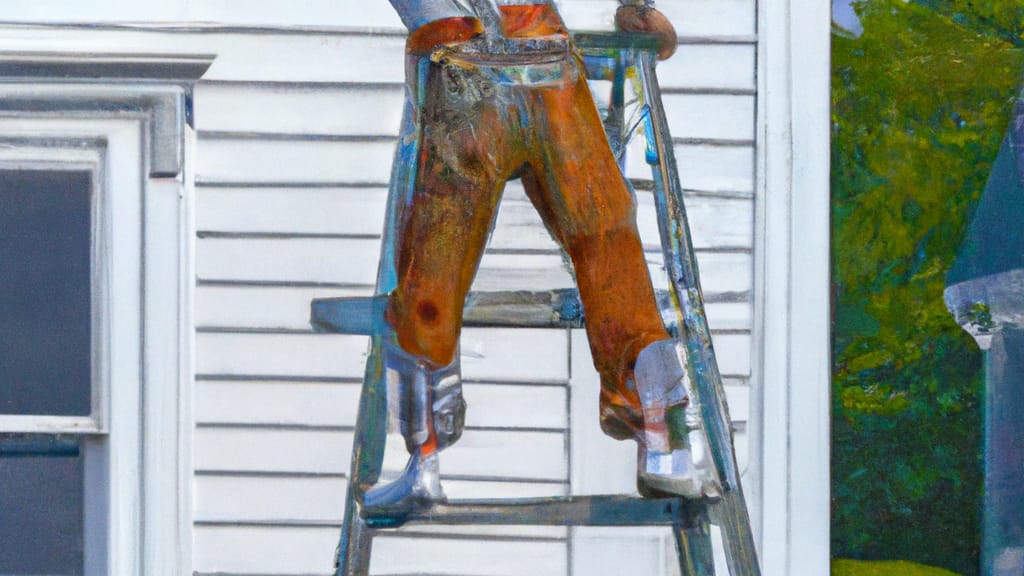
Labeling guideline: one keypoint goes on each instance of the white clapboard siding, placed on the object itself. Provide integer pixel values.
(481, 557)
(287, 108)
(715, 221)
(727, 117)
(311, 110)
(703, 166)
(710, 68)
(335, 404)
(326, 404)
(258, 550)
(233, 160)
(287, 308)
(292, 355)
(355, 14)
(377, 111)
(299, 58)
(726, 62)
(721, 273)
(733, 354)
(305, 551)
(693, 17)
(614, 551)
(304, 58)
(226, 498)
(274, 307)
(490, 355)
(322, 260)
(728, 315)
(353, 261)
(716, 168)
(276, 402)
(706, 167)
(281, 210)
(97, 11)
(242, 55)
(249, 499)
(506, 454)
(295, 143)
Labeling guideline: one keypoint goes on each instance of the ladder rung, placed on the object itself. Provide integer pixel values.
(560, 308)
(562, 511)
(548, 309)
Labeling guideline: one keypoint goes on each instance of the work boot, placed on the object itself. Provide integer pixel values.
(418, 488)
(674, 453)
(620, 414)
(431, 414)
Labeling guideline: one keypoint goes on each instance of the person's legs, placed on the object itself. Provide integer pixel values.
(469, 149)
(646, 393)
(466, 154)
(579, 190)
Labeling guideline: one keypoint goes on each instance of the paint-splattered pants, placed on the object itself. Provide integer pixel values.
(477, 133)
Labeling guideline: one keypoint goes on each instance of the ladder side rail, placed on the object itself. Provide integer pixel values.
(369, 448)
(370, 436)
(731, 515)
(694, 550)
(681, 265)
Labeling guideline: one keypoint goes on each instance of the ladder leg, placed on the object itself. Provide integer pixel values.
(356, 542)
(353, 556)
(737, 537)
(693, 545)
(682, 266)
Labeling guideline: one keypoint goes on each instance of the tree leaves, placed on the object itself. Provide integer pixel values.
(921, 100)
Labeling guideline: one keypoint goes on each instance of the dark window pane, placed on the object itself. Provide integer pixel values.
(40, 505)
(45, 292)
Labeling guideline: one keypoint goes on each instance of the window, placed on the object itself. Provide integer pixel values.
(94, 309)
(45, 318)
(46, 343)
(41, 506)
(65, 340)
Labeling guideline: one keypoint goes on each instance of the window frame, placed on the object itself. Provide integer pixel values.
(123, 117)
(70, 155)
(110, 151)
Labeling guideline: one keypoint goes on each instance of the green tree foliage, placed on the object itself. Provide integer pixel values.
(1002, 19)
(921, 101)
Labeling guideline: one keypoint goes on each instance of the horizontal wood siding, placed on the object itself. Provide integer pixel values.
(292, 177)
(296, 123)
(700, 18)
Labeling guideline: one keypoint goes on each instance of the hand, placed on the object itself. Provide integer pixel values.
(650, 21)
(433, 35)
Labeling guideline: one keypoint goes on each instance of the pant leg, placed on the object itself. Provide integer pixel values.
(585, 201)
(464, 161)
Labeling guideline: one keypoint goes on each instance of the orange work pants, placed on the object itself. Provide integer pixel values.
(477, 134)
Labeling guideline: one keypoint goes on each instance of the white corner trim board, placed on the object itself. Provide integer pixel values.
(791, 347)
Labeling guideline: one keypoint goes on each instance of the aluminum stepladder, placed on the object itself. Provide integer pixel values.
(623, 59)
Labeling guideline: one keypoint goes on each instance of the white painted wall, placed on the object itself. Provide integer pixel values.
(295, 127)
